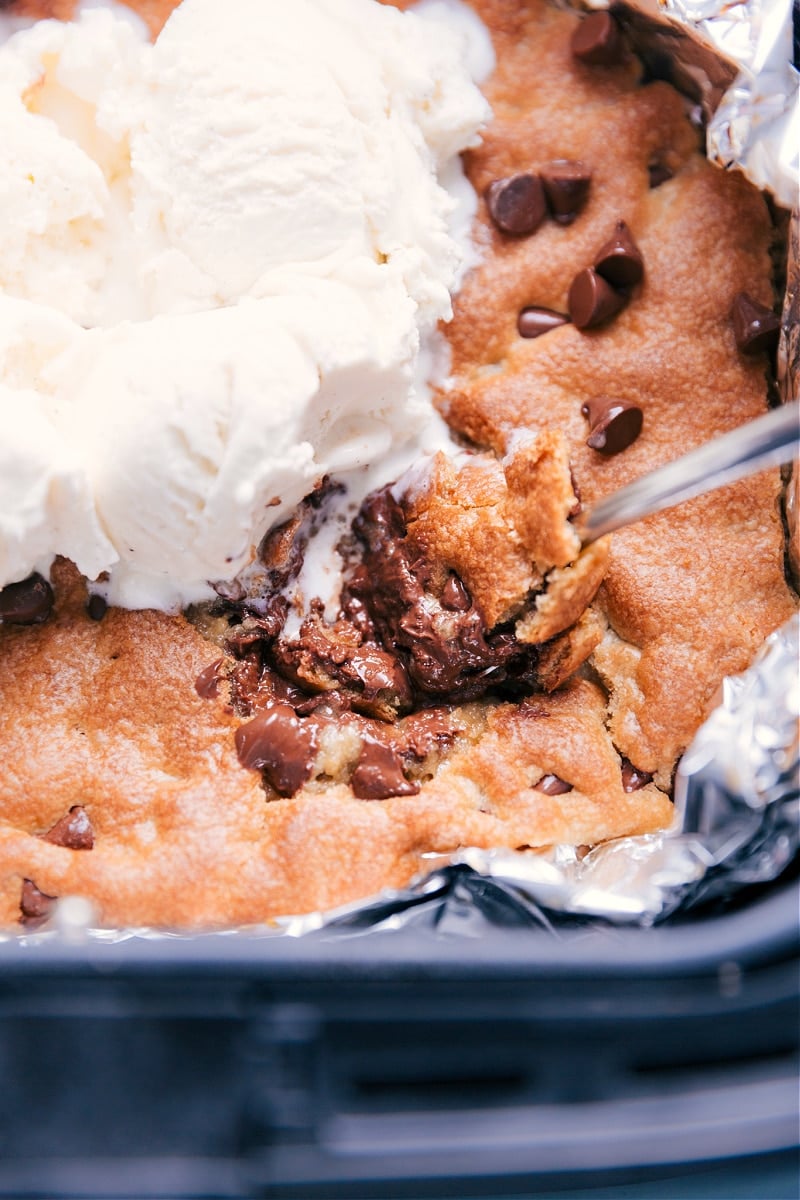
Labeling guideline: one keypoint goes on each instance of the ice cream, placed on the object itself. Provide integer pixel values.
(242, 237)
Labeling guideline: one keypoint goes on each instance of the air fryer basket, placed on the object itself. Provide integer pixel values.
(419, 1062)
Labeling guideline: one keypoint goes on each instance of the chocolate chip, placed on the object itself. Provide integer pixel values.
(244, 679)
(379, 774)
(620, 261)
(615, 424)
(380, 674)
(97, 606)
(552, 785)
(207, 683)
(278, 743)
(324, 657)
(429, 729)
(454, 595)
(597, 40)
(533, 322)
(658, 173)
(35, 905)
(755, 327)
(592, 300)
(517, 205)
(73, 831)
(566, 186)
(28, 602)
(632, 777)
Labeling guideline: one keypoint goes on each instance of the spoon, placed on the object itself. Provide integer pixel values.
(769, 441)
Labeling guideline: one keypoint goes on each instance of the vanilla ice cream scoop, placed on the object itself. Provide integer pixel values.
(311, 134)
(246, 233)
(45, 503)
(203, 430)
(66, 240)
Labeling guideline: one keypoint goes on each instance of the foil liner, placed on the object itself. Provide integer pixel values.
(788, 377)
(735, 60)
(757, 124)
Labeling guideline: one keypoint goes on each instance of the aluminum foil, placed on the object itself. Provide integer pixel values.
(788, 374)
(735, 60)
(757, 124)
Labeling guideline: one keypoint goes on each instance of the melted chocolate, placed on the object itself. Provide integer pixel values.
(35, 905)
(633, 778)
(552, 785)
(207, 683)
(455, 596)
(401, 642)
(277, 742)
(379, 774)
(245, 680)
(448, 653)
(324, 657)
(427, 730)
(73, 831)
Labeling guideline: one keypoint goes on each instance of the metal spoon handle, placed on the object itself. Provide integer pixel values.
(768, 441)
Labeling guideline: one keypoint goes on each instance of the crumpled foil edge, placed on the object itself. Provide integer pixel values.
(735, 59)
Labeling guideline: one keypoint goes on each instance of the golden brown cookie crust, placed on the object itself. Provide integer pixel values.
(105, 715)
